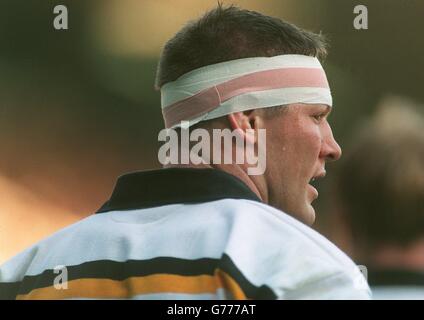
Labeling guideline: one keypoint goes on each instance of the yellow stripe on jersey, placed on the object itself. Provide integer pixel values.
(133, 286)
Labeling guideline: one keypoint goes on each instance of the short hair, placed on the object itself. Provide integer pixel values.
(381, 178)
(229, 33)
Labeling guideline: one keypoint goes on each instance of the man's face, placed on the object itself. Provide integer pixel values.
(299, 142)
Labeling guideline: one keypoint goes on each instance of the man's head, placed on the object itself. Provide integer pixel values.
(299, 143)
(229, 33)
(299, 139)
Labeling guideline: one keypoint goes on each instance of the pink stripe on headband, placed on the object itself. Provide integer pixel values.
(211, 98)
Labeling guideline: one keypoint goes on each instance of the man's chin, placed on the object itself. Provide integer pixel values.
(311, 215)
(308, 215)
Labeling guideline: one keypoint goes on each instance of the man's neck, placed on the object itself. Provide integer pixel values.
(255, 183)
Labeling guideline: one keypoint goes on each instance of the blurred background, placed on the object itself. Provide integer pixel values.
(78, 107)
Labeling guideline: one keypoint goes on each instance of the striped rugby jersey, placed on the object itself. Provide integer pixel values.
(183, 233)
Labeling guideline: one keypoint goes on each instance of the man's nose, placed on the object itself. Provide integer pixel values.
(330, 150)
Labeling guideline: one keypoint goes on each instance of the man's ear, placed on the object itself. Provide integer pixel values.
(239, 120)
(245, 123)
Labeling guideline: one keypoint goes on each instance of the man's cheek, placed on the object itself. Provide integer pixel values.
(312, 141)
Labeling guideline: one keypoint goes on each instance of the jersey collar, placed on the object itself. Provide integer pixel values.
(153, 188)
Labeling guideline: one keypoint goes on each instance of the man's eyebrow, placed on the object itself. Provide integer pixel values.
(328, 110)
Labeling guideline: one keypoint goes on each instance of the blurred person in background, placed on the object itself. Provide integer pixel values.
(380, 190)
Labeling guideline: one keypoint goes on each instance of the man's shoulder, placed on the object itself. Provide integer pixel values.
(44, 249)
(273, 248)
(266, 246)
(261, 229)
(264, 221)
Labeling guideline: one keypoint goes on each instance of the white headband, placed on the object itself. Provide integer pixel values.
(244, 84)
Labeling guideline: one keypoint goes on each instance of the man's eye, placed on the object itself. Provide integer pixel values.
(319, 117)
